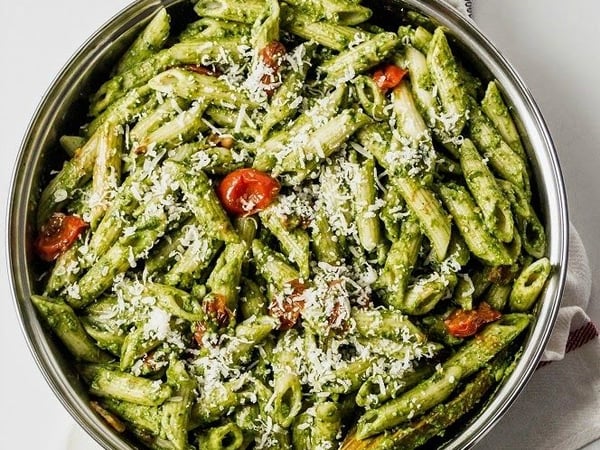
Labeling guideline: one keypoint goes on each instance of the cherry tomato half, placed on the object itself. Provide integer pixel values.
(57, 235)
(464, 323)
(388, 76)
(247, 191)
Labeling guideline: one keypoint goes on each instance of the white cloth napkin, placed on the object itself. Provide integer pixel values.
(573, 323)
(560, 406)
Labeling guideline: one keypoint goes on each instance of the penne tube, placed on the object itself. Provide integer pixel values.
(503, 160)
(176, 413)
(494, 107)
(465, 215)
(529, 284)
(356, 60)
(343, 12)
(149, 41)
(211, 28)
(110, 383)
(434, 221)
(367, 221)
(223, 437)
(64, 323)
(402, 257)
(494, 208)
(321, 144)
(247, 12)
(371, 97)
(445, 76)
(294, 243)
(328, 34)
(225, 276)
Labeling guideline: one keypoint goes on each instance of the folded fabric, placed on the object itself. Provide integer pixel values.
(572, 316)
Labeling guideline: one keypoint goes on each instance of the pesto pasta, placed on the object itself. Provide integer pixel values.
(286, 227)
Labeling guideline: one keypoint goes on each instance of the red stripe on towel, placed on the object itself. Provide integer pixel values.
(577, 338)
(581, 336)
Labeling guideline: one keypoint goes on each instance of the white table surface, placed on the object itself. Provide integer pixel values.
(552, 44)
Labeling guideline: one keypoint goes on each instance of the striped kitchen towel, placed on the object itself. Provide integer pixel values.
(573, 327)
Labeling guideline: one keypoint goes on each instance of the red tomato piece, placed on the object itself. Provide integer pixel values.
(216, 308)
(218, 315)
(271, 56)
(57, 235)
(388, 76)
(289, 309)
(272, 53)
(247, 191)
(463, 323)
